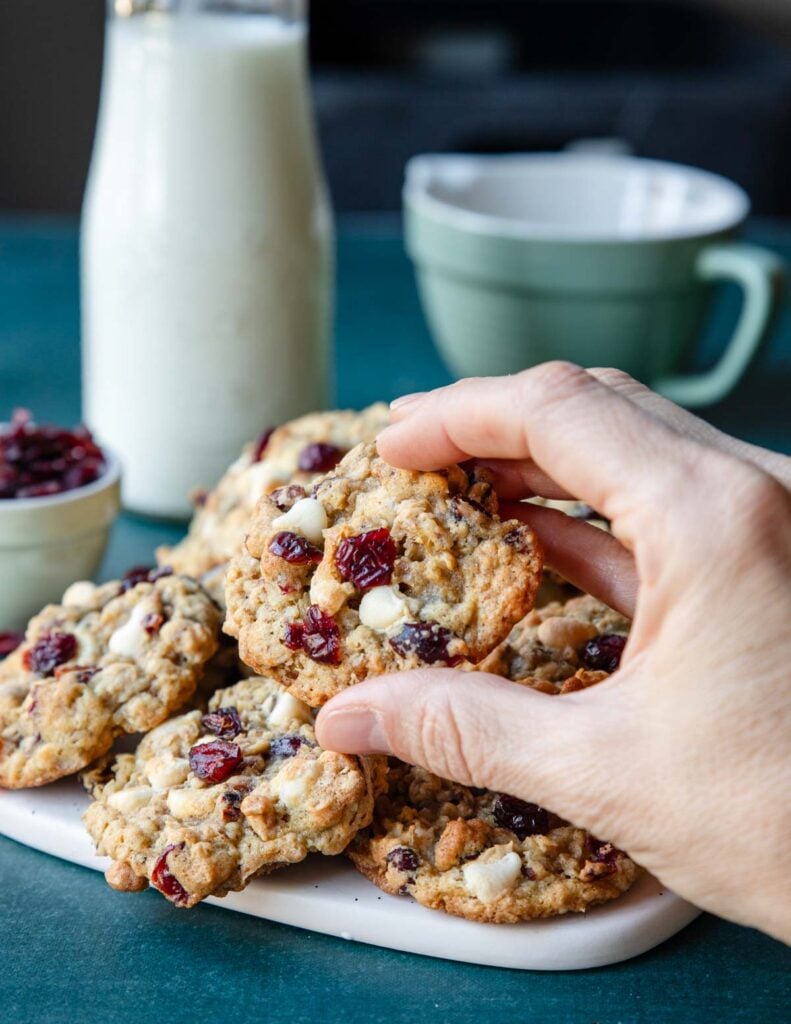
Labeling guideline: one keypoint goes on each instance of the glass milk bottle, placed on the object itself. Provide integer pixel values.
(206, 241)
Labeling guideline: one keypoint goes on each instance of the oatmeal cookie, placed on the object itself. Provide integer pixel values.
(294, 453)
(108, 660)
(562, 647)
(378, 569)
(482, 855)
(210, 801)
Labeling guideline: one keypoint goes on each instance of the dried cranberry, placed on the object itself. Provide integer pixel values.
(367, 560)
(603, 855)
(321, 637)
(294, 548)
(601, 852)
(153, 622)
(293, 636)
(165, 881)
(40, 461)
(520, 817)
(403, 859)
(528, 873)
(224, 722)
(603, 653)
(49, 651)
(143, 574)
(137, 574)
(216, 760)
(285, 497)
(319, 457)
(427, 640)
(262, 443)
(9, 641)
(84, 673)
(285, 746)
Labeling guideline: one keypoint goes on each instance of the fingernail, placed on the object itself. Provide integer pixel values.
(354, 731)
(399, 404)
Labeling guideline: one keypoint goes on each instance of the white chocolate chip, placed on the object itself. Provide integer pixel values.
(288, 709)
(307, 517)
(78, 594)
(128, 639)
(191, 803)
(489, 879)
(382, 608)
(165, 771)
(127, 801)
(292, 786)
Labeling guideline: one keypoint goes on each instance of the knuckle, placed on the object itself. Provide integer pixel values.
(618, 380)
(550, 384)
(557, 373)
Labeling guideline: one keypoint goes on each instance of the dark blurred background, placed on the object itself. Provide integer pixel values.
(706, 82)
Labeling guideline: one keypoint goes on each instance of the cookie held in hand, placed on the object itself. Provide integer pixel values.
(377, 569)
(296, 452)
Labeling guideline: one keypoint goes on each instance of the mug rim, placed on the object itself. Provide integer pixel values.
(421, 173)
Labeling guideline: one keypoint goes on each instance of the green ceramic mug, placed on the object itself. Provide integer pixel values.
(602, 260)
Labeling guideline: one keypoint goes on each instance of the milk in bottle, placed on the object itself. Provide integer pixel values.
(206, 243)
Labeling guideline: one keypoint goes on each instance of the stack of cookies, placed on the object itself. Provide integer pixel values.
(329, 566)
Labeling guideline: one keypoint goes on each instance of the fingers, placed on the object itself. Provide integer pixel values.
(481, 730)
(522, 479)
(589, 558)
(593, 442)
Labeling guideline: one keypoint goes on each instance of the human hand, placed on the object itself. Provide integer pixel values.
(680, 757)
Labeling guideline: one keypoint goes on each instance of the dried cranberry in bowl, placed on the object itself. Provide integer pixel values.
(39, 461)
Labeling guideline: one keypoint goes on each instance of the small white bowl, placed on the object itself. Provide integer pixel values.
(47, 543)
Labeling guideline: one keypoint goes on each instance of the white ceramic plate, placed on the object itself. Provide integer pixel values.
(327, 895)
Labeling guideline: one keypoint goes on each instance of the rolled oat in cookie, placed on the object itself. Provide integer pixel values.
(562, 647)
(482, 855)
(377, 569)
(209, 801)
(113, 659)
(297, 452)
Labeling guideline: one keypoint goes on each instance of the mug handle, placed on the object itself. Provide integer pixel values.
(761, 275)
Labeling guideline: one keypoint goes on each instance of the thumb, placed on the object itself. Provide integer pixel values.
(481, 730)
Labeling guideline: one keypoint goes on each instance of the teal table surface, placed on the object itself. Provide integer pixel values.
(72, 951)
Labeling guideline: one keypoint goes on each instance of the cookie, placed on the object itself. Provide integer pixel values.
(113, 659)
(562, 647)
(482, 855)
(208, 802)
(296, 452)
(378, 569)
